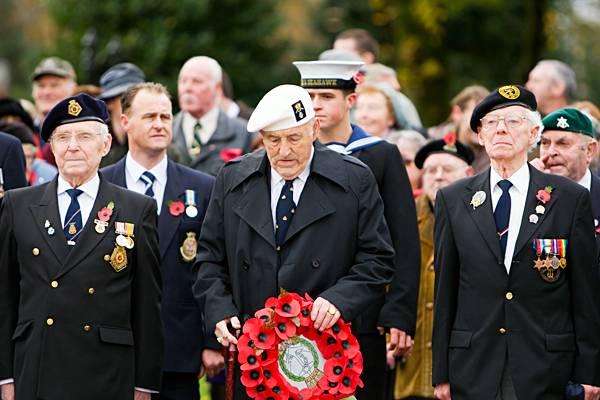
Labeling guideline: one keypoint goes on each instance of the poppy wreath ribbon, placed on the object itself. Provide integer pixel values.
(283, 357)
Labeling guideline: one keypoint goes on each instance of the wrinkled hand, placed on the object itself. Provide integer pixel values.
(8, 391)
(591, 392)
(137, 395)
(390, 360)
(224, 337)
(442, 391)
(212, 361)
(400, 343)
(324, 314)
(540, 164)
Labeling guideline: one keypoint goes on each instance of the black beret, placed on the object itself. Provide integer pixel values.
(82, 107)
(509, 95)
(18, 130)
(448, 145)
(12, 107)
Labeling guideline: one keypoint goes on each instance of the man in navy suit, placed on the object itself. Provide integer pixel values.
(182, 196)
(12, 164)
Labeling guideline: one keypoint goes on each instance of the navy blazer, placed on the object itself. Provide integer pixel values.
(12, 162)
(181, 315)
(595, 194)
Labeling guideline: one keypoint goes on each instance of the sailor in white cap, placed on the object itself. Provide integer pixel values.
(331, 85)
(293, 216)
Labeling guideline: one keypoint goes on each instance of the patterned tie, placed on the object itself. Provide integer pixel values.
(196, 142)
(284, 212)
(148, 178)
(502, 214)
(73, 221)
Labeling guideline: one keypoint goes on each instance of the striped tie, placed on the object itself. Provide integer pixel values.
(148, 178)
(502, 214)
(73, 221)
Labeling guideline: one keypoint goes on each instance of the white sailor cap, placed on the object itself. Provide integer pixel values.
(329, 74)
(283, 107)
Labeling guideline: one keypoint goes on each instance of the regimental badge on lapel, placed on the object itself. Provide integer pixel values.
(478, 199)
(189, 248)
(551, 257)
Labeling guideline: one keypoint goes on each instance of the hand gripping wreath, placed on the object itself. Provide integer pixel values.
(283, 357)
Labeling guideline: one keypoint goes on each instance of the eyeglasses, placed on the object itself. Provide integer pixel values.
(490, 122)
(65, 139)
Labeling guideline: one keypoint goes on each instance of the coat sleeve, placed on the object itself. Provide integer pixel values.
(585, 300)
(146, 292)
(372, 270)
(447, 271)
(400, 307)
(13, 166)
(212, 287)
(9, 288)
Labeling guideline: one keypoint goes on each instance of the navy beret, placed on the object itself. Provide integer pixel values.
(448, 145)
(509, 95)
(82, 107)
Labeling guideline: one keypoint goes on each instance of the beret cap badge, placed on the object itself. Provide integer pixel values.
(510, 92)
(74, 108)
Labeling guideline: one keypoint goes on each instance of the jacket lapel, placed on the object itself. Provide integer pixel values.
(89, 238)
(167, 223)
(483, 215)
(119, 173)
(47, 209)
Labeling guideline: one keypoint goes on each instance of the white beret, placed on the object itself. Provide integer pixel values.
(283, 107)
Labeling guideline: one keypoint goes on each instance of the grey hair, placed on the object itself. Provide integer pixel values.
(213, 67)
(536, 120)
(103, 131)
(407, 137)
(563, 73)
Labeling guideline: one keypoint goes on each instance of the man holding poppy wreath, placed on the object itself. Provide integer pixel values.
(516, 307)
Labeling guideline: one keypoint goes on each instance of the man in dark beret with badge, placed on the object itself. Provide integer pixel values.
(294, 216)
(332, 85)
(79, 275)
(517, 307)
(182, 196)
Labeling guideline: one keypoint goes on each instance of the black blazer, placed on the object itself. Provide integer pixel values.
(181, 314)
(550, 330)
(72, 327)
(12, 162)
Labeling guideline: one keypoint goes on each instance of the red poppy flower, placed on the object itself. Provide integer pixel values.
(265, 314)
(334, 368)
(247, 356)
(598, 229)
(176, 208)
(358, 78)
(329, 347)
(350, 346)
(271, 376)
(230, 154)
(284, 327)
(348, 384)
(450, 138)
(339, 330)
(330, 386)
(262, 336)
(252, 377)
(104, 214)
(543, 196)
(355, 364)
(287, 305)
(255, 391)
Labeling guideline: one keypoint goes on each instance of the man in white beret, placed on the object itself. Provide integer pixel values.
(294, 216)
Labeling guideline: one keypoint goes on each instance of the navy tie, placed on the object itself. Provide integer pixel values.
(148, 178)
(284, 212)
(502, 214)
(73, 222)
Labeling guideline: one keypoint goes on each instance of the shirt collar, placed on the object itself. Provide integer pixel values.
(90, 187)
(136, 170)
(519, 180)
(276, 178)
(586, 181)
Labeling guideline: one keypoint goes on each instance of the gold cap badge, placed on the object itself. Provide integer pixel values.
(510, 92)
(74, 108)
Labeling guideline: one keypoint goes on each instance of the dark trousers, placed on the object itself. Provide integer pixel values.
(178, 386)
(372, 347)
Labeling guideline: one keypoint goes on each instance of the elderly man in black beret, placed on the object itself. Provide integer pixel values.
(79, 275)
(516, 312)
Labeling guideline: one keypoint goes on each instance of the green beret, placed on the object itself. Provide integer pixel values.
(568, 120)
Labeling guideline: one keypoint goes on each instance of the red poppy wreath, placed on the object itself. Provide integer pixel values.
(283, 357)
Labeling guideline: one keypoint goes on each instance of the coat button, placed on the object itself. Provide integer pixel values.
(316, 263)
(428, 345)
(87, 328)
(429, 305)
(502, 331)
(245, 265)
(35, 251)
(49, 322)
(106, 257)
(54, 284)
(91, 290)
(509, 296)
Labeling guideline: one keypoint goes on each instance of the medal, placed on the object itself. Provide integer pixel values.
(124, 231)
(190, 202)
(189, 248)
(100, 226)
(555, 258)
(50, 231)
(533, 219)
(118, 259)
(478, 199)
(121, 241)
(72, 229)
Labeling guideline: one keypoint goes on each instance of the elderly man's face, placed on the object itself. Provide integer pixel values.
(289, 149)
(440, 170)
(197, 89)
(567, 153)
(543, 86)
(48, 90)
(78, 148)
(507, 134)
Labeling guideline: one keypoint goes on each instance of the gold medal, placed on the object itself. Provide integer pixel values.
(189, 248)
(130, 243)
(563, 262)
(118, 259)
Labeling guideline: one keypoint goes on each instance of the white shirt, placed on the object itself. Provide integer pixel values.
(277, 183)
(586, 180)
(85, 199)
(518, 194)
(133, 172)
(208, 122)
